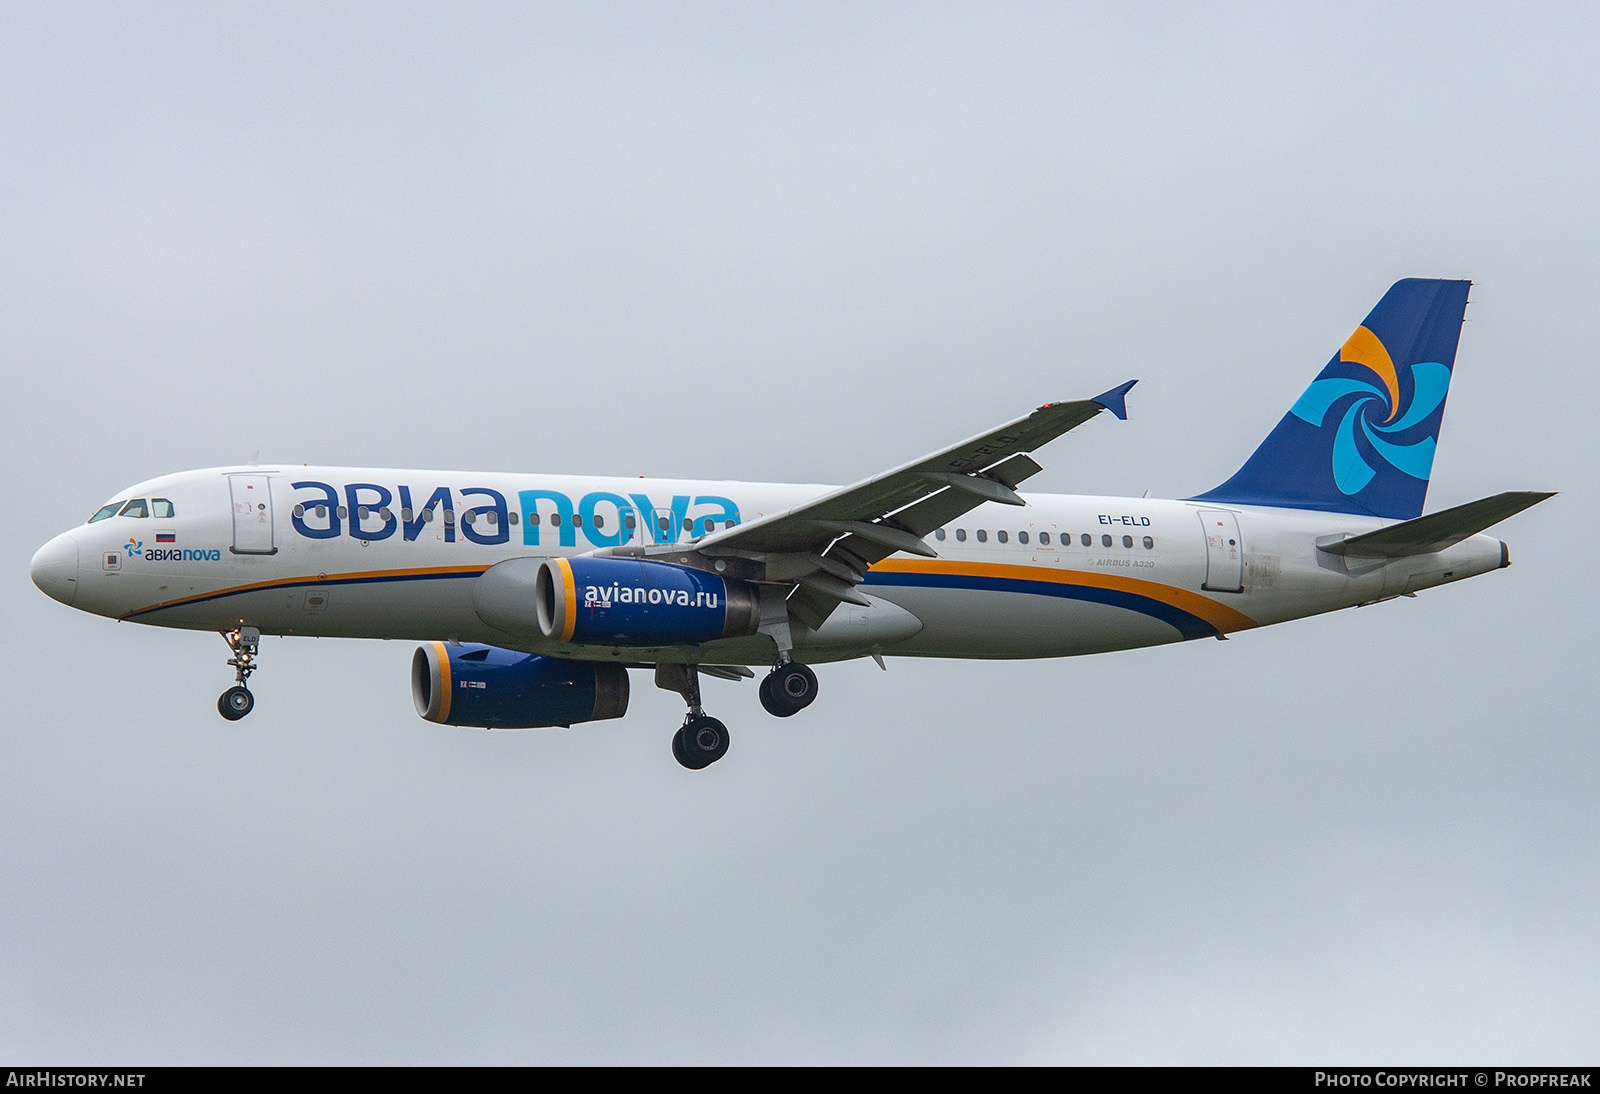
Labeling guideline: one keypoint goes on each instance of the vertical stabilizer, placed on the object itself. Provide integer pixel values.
(1361, 438)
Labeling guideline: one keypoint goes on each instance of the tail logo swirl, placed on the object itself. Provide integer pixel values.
(1374, 407)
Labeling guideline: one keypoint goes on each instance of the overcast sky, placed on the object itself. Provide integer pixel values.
(798, 242)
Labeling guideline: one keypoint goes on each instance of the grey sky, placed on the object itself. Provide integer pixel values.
(798, 243)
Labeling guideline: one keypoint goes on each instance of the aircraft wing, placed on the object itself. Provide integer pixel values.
(825, 546)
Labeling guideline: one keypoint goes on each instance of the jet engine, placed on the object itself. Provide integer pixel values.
(634, 602)
(473, 685)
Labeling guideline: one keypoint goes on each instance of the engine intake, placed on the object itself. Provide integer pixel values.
(634, 602)
(473, 685)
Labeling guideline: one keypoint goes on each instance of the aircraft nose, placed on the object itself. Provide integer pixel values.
(55, 568)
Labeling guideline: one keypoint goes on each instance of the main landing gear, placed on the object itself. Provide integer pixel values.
(236, 702)
(702, 740)
(788, 689)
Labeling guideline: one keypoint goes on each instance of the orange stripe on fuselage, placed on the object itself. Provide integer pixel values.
(1219, 616)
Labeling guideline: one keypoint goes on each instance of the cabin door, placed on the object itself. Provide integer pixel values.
(1224, 552)
(252, 514)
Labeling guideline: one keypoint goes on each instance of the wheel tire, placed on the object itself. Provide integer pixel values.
(700, 743)
(788, 689)
(235, 703)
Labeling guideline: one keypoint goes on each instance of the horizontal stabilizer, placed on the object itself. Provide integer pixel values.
(1436, 531)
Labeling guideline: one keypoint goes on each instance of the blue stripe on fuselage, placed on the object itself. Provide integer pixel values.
(1190, 626)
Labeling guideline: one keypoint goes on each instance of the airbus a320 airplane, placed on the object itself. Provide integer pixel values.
(535, 594)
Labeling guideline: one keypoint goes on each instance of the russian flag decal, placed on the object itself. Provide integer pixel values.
(166, 537)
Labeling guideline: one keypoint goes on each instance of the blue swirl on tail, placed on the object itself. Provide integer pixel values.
(1361, 438)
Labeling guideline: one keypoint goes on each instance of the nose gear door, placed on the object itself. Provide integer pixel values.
(252, 514)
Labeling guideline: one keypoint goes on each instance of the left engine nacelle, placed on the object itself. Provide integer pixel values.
(473, 685)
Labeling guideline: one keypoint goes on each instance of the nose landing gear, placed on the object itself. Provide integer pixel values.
(236, 702)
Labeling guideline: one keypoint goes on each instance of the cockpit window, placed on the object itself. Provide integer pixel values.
(106, 512)
(161, 509)
(136, 508)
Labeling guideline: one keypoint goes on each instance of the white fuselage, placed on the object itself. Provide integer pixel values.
(1062, 575)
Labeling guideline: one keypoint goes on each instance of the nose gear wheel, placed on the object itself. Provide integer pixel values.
(245, 642)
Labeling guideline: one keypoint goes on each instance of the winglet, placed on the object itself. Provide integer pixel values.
(1113, 400)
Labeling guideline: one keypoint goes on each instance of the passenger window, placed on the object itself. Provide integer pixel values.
(961, 535)
(533, 520)
(106, 512)
(385, 514)
(1105, 541)
(469, 516)
(427, 516)
(299, 510)
(1127, 541)
(512, 517)
(341, 512)
(405, 513)
(320, 510)
(1044, 538)
(727, 524)
(161, 509)
(1000, 535)
(628, 522)
(983, 535)
(938, 534)
(599, 521)
(449, 516)
(1149, 544)
(1022, 537)
(136, 508)
(577, 520)
(1088, 540)
(555, 520)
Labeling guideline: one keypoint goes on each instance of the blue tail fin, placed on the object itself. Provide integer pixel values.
(1361, 438)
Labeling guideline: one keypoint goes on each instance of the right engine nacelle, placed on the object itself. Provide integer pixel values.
(473, 685)
(633, 602)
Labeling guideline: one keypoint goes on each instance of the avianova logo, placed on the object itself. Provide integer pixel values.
(186, 554)
(136, 548)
